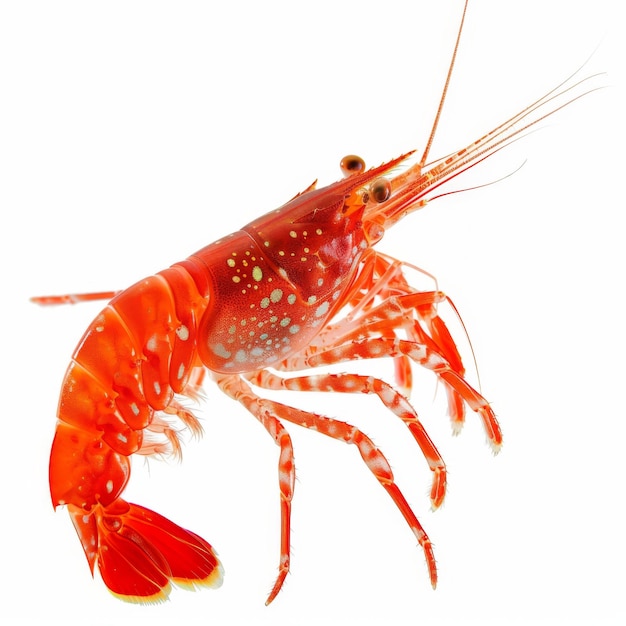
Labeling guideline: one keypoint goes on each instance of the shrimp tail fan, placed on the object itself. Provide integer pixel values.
(140, 553)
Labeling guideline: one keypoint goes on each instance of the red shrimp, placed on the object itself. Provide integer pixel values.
(298, 288)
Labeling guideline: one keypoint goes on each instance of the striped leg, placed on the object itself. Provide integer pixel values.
(413, 313)
(414, 310)
(424, 355)
(269, 412)
(390, 397)
(237, 389)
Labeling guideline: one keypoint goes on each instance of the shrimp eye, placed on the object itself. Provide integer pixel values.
(351, 165)
(380, 190)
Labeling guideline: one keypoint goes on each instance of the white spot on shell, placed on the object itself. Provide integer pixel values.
(109, 486)
(219, 350)
(321, 309)
(152, 344)
(276, 295)
(99, 323)
(181, 371)
(182, 332)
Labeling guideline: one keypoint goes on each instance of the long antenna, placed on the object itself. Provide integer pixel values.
(445, 90)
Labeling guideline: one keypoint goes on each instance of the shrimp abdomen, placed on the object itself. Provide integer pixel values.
(131, 360)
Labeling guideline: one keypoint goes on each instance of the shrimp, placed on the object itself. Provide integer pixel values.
(299, 288)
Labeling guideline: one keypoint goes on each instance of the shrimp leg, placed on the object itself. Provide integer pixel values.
(390, 397)
(269, 413)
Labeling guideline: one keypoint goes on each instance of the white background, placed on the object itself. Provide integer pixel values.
(132, 134)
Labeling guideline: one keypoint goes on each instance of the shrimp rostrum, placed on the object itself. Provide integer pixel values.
(297, 289)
